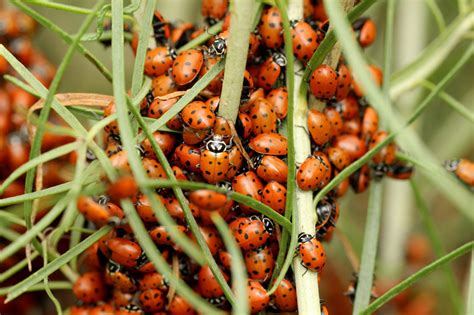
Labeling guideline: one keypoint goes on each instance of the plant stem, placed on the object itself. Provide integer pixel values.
(423, 272)
(369, 249)
(470, 290)
(242, 12)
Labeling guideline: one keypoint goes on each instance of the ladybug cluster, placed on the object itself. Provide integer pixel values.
(249, 159)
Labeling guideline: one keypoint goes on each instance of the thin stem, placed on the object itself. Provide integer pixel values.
(470, 291)
(47, 288)
(423, 272)
(387, 47)
(369, 248)
(53, 285)
(238, 46)
(204, 37)
(437, 14)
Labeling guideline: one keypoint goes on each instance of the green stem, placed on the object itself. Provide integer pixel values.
(243, 12)
(54, 285)
(470, 292)
(437, 245)
(437, 14)
(369, 248)
(47, 288)
(423, 272)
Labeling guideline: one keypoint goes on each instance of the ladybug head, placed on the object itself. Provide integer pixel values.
(218, 47)
(133, 308)
(379, 170)
(304, 237)
(293, 23)
(173, 53)
(279, 58)
(90, 156)
(257, 160)
(451, 165)
(268, 224)
(103, 200)
(216, 145)
(226, 185)
(113, 267)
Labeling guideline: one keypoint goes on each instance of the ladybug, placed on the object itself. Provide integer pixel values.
(304, 39)
(319, 127)
(236, 161)
(254, 45)
(284, 297)
(352, 126)
(259, 263)
(463, 169)
(269, 144)
(251, 235)
(328, 214)
(344, 82)
(360, 179)
(399, 171)
(158, 61)
(243, 125)
(123, 251)
(113, 145)
(176, 211)
(153, 280)
(181, 34)
(161, 29)
(323, 82)
(352, 144)
(159, 106)
(163, 84)
(214, 10)
(144, 208)
(121, 299)
(366, 30)
(198, 115)
(250, 185)
(274, 196)
(207, 283)
(211, 236)
(90, 287)
(99, 212)
(263, 117)
(270, 28)
(271, 168)
(377, 75)
(271, 70)
(311, 252)
(338, 157)
(153, 169)
(124, 187)
(119, 278)
(312, 173)
(219, 46)
(152, 300)
(213, 103)
(111, 128)
(257, 296)
(189, 157)
(194, 136)
(369, 123)
(386, 155)
(208, 199)
(215, 161)
(319, 13)
(179, 173)
(279, 99)
(215, 85)
(179, 306)
(222, 129)
(348, 107)
(247, 87)
(235, 224)
(165, 140)
(226, 259)
(186, 66)
(160, 235)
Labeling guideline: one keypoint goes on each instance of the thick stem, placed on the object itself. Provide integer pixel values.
(243, 12)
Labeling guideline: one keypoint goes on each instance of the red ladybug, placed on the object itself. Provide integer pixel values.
(179, 173)
(279, 99)
(352, 144)
(222, 129)
(153, 169)
(165, 140)
(194, 136)
(160, 235)
(370, 123)
(305, 40)
(215, 161)
(189, 157)
(176, 211)
(258, 297)
(348, 107)
(284, 297)
(270, 70)
(207, 283)
(214, 10)
(464, 170)
(271, 168)
(274, 196)
(123, 251)
(101, 212)
(319, 127)
(158, 61)
(352, 126)
(152, 300)
(269, 143)
(179, 306)
(399, 171)
(225, 259)
(186, 66)
(121, 299)
(259, 263)
(244, 125)
(367, 31)
(158, 106)
(248, 184)
(312, 173)
(211, 236)
(181, 34)
(253, 234)
(163, 84)
(153, 280)
(122, 188)
(198, 115)
(215, 85)
(236, 161)
(360, 179)
(263, 117)
(338, 157)
(323, 82)
(386, 155)
(311, 252)
(271, 28)
(119, 278)
(344, 82)
(161, 29)
(208, 199)
(90, 287)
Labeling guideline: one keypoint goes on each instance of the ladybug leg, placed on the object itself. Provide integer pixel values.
(302, 264)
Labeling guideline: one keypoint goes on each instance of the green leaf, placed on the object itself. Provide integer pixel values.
(369, 248)
(423, 272)
(21, 287)
(238, 270)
